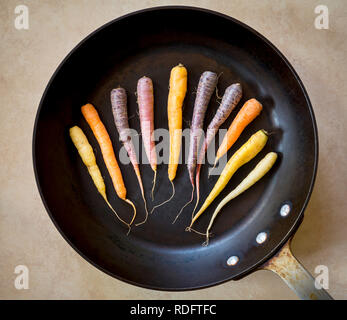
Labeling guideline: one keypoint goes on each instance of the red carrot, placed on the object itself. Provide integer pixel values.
(145, 100)
(120, 114)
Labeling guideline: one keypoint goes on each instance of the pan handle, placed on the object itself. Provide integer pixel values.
(295, 275)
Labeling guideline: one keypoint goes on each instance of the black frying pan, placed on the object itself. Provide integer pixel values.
(160, 255)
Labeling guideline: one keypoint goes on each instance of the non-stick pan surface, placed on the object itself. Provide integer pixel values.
(158, 254)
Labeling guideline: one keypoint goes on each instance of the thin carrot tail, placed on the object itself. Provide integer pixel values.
(154, 181)
(197, 190)
(134, 208)
(191, 177)
(206, 242)
(145, 202)
(189, 229)
(137, 171)
(193, 220)
(179, 213)
(207, 235)
(173, 193)
(119, 218)
(196, 204)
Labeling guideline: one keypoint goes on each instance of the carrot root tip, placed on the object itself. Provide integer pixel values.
(196, 231)
(119, 218)
(179, 213)
(206, 242)
(166, 201)
(134, 208)
(146, 217)
(217, 94)
(196, 205)
(153, 187)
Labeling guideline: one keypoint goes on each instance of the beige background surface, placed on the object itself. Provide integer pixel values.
(29, 57)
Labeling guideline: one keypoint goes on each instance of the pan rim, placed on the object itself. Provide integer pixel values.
(300, 216)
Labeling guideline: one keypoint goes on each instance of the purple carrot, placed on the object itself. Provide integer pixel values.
(120, 114)
(207, 85)
(231, 98)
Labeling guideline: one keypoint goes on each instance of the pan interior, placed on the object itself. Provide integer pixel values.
(160, 254)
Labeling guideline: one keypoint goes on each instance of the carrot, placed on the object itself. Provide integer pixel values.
(177, 93)
(101, 135)
(231, 98)
(246, 153)
(145, 100)
(86, 153)
(120, 114)
(207, 85)
(254, 176)
(250, 110)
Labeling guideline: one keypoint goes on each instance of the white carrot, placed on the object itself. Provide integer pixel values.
(254, 176)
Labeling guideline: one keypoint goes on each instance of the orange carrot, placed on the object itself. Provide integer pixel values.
(250, 110)
(101, 135)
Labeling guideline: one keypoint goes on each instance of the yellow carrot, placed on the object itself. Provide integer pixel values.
(246, 153)
(86, 153)
(254, 176)
(177, 93)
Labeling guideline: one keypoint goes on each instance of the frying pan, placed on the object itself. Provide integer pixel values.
(255, 229)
